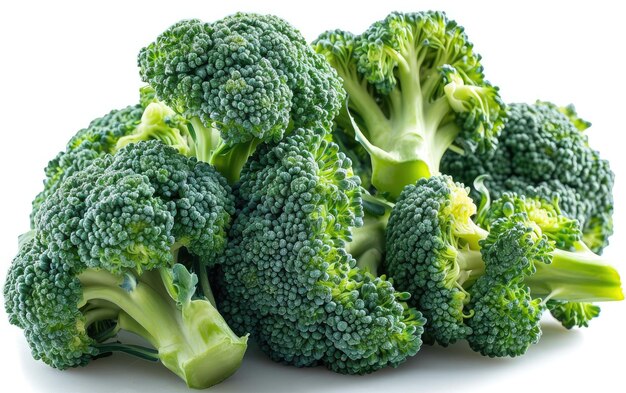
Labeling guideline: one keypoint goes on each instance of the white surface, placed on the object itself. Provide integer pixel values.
(64, 64)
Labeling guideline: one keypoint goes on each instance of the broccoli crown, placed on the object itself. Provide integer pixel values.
(41, 297)
(286, 276)
(99, 138)
(542, 152)
(428, 230)
(104, 225)
(563, 232)
(506, 318)
(415, 88)
(250, 76)
(148, 120)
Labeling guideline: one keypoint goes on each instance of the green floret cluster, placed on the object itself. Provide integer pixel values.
(489, 282)
(149, 119)
(312, 197)
(287, 277)
(544, 152)
(120, 245)
(241, 81)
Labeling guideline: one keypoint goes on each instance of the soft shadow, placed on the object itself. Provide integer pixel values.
(457, 365)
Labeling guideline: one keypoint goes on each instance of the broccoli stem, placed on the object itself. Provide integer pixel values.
(229, 160)
(206, 138)
(368, 243)
(205, 285)
(471, 266)
(576, 276)
(188, 340)
(409, 144)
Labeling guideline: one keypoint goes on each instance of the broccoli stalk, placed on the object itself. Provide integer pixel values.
(576, 276)
(415, 89)
(227, 158)
(410, 144)
(188, 335)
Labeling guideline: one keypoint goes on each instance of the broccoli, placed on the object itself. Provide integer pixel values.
(416, 89)
(286, 276)
(240, 81)
(122, 244)
(543, 152)
(367, 244)
(148, 120)
(490, 286)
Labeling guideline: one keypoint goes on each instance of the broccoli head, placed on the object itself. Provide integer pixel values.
(415, 89)
(286, 276)
(123, 244)
(148, 120)
(242, 80)
(543, 152)
(489, 284)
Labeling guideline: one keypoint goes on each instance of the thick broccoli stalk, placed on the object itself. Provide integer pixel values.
(415, 89)
(120, 245)
(544, 152)
(190, 336)
(240, 81)
(148, 120)
(286, 276)
(490, 286)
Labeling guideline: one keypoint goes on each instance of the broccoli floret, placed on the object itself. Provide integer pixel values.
(543, 152)
(121, 245)
(286, 276)
(432, 250)
(489, 284)
(416, 89)
(148, 120)
(241, 81)
(572, 314)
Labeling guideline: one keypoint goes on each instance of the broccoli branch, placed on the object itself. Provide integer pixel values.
(188, 335)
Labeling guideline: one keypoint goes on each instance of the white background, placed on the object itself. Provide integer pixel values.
(62, 64)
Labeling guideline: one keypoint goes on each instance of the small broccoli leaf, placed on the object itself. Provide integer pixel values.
(180, 283)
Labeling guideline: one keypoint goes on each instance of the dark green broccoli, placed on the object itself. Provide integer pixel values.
(114, 248)
(415, 89)
(148, 120)
(490, 286)
(543, 152)
(242, 80)
(286, 276)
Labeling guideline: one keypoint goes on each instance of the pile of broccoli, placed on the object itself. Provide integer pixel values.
(312, 198)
